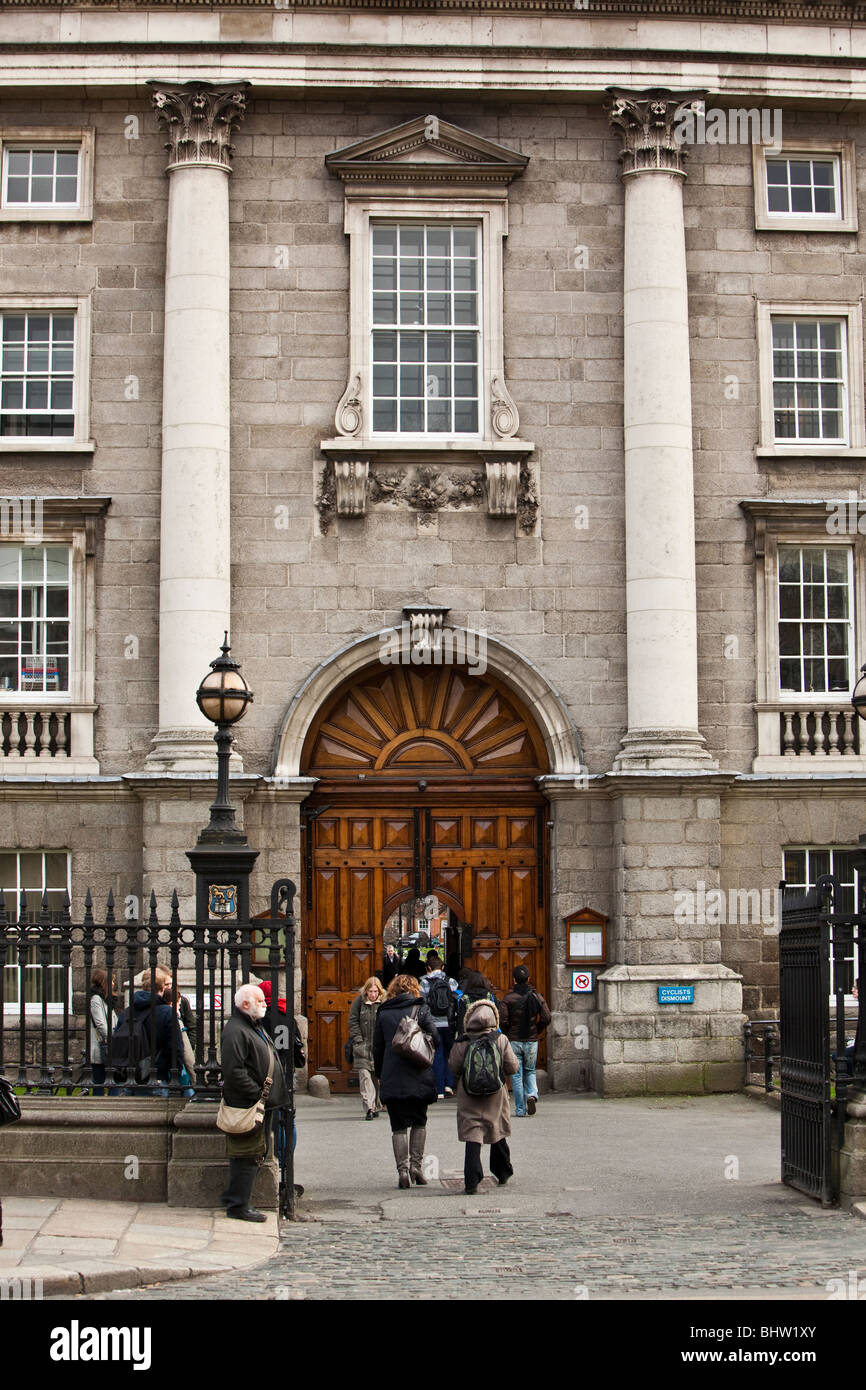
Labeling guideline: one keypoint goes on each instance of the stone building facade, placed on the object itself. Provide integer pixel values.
(638, 337)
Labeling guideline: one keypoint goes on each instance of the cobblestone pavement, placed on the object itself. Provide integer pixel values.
(640, 1199)
(559, 1258)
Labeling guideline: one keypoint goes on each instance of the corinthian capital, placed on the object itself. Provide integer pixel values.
(198, 118)
(654, 126)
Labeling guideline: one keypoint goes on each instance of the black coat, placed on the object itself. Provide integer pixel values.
(167, 1035)
(391, 967)
(246, 1057)
(401, 1079)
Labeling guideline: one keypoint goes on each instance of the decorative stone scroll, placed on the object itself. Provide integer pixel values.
(349, 415)
(646, 122)
(503, 412)
(199, 118)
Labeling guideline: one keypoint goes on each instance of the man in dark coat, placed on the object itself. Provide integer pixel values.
(523, 1017)
(166, 1047)
(248, 1057)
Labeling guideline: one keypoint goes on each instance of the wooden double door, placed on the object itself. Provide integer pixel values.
(485, 863)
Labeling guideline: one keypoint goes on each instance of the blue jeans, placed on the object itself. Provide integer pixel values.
(523, 1082)
(441, 1075)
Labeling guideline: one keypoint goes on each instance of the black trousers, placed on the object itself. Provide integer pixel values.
(500, 1163)
(242, 1173)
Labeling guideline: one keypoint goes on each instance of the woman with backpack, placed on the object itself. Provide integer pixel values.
(474, 986)
(482, 1059)
(405, 1087)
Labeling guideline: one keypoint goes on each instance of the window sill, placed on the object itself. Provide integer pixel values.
(786, 223)
(30, 445)
(427, 450)
(25, 214)
(810, 452)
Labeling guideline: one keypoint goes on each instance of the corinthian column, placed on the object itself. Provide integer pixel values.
(659, 490)
(194, 596)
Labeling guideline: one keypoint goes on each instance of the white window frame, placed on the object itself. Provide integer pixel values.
(431, 437)
(70, 521)
(817, 697)
(844, 220)
(13, 1010)
(491, 221)
(853, 445)
(49, 138)
(79, 305)
(799, 523)
(47, 695)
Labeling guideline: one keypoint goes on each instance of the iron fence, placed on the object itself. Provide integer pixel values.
(761, 1052)
(48, 1042)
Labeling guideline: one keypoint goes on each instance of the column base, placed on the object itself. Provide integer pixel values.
(641, 1047)
(663, 750)
(187, 750)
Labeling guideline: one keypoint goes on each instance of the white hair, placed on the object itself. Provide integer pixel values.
(245, 994)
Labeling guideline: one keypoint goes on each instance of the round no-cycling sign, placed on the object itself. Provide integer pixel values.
(581, 982)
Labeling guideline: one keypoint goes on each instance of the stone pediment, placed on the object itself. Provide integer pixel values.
(426, 150)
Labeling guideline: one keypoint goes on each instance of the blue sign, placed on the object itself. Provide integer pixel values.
(676, 994)
(581, 982)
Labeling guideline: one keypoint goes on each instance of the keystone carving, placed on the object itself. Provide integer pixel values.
(198, 118)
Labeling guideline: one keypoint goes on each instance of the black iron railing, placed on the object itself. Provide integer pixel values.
(48, 1045)
(761, 1052)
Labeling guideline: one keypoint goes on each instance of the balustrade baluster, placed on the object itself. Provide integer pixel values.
(804, 733)
(848, 734)
(788, 735)
(30, 734)
(819, 751)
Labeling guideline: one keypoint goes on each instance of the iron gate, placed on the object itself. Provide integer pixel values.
(817, 1068)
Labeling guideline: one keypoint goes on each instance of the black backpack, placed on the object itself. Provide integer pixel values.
(130, 1045)
(440, 1000)
(482, 1068)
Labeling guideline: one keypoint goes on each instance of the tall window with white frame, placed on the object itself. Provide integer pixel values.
(810, 386)
(34, 873)
(37, 375)
(34, 618)
(426, 329)
(816, 620)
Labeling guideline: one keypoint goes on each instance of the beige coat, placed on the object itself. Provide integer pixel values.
(483, 1119)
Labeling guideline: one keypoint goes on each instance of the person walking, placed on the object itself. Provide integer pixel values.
(440, 996)
(475, 986)
(413, 964)
(481, 1060)
(406, 1088)
(248, 1058)
(362, 1025)
(390, 966)
(100, 1001)
(523, 1017)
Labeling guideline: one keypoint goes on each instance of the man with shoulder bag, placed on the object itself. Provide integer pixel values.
(254, 1086)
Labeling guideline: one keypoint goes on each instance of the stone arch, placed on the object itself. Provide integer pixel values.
(522, 677)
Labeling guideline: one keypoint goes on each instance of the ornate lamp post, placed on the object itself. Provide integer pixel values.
(222, 859)
(223, 697)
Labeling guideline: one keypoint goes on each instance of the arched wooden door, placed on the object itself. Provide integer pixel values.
(473, 834)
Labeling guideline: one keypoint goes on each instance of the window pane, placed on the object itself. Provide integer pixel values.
(384, 241)
(384, 347)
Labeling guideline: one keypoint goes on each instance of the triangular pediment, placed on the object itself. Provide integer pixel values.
(426, 149)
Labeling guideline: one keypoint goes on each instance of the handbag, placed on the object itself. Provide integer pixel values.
(10, 1109)
(410, 1041)
(234, 1119)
